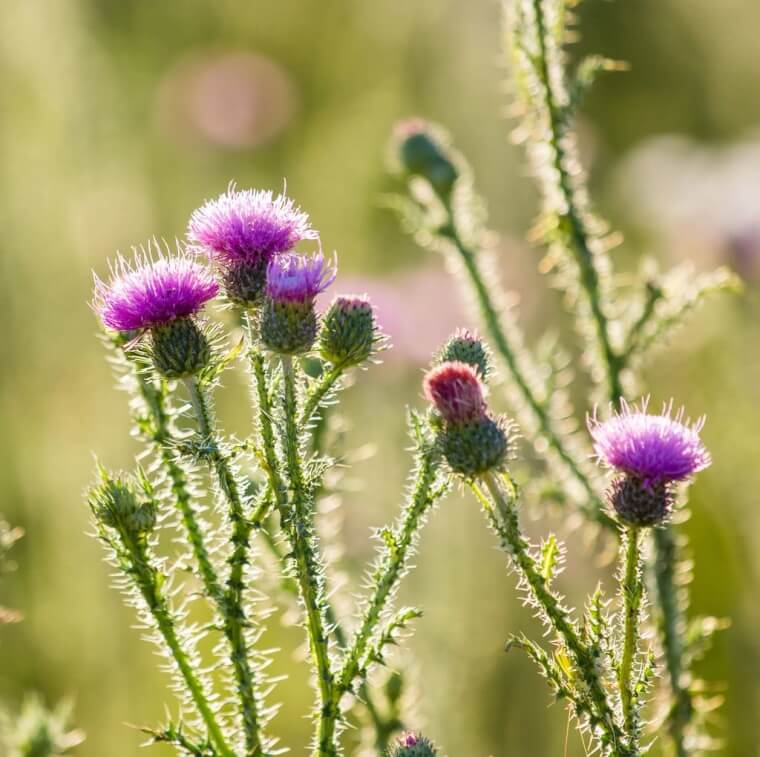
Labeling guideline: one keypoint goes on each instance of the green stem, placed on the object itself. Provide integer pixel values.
(309, 572)
(504, 520)
(593, 506)
(235, 621)
(386, 577)
(145, 576)
(632, 590)
(326, 382)
(570, 210)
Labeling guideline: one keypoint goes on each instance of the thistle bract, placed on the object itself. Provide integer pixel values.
(349, 333)
(413, 745)
(289, 320)
(466, 347)
(242, 231)
(150, 293)
(654, 448)
(115, 504)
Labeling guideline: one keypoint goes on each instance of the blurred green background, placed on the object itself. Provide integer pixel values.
(118, 117)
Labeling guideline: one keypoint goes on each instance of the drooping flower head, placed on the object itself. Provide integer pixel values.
(349, 334)
(152, 292)
(456, 392)
(298, 278)
(248, 226)
(654, 448)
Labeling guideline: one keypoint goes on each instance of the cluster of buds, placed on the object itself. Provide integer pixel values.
(411, 744)
(248, 236)
(472, 440)
(650, 454)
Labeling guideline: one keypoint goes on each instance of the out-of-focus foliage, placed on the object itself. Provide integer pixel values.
(119, 117)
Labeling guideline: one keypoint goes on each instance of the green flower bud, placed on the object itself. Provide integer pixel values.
(348, 334)
(423, 153)
(179, 348)
(474, 447)
(413, 745)
(466, 347)
(116, 505)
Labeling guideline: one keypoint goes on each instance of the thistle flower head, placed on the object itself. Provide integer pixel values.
(464, 346)
(115, 504)
(248, 226)
(411, 744)
(152, 292)
(298, 278)
(456, 392)
(654, 448)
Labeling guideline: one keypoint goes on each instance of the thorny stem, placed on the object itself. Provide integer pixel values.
(503, 516)
(308, 571)
(387, 575)
(632, 590)
(235, 621)
(490, 315)
(326, 382)
(144, 575)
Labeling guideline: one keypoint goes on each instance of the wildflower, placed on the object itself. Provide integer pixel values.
(161, 296)
(242, 231)
(472, 441)
(349, 333)
(289, 320)
(650, 453)
(466, 347)
(413, 745)
(422, 152)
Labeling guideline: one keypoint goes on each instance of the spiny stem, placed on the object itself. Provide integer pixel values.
(308, 570)
(390, 570)
(503, 517)
(326, 382)
(632, 591)
(509, 353)
(235, 621)
(570, 211)
(145, 577)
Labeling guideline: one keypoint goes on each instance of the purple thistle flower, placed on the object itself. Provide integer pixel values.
(456, 392)
(248, 226)
(654, 448)
(148, 293)
(298, 278)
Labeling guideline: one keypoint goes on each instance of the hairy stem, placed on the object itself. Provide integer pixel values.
(632, 590)
(386, 577)
(309, 572)
(235, 621)
(146, 579)
(323, 387)
(503, 516)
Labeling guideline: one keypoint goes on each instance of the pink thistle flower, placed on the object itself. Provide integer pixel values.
(147, 293)
(654, 448)
(298, 278)
(249, 226)
(456, 392)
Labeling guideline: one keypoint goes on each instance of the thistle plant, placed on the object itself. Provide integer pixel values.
(202, 500)
(619, 323)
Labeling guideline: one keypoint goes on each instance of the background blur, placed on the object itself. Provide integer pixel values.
(118, 117)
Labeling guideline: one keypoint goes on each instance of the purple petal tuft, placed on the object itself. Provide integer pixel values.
(297, 278)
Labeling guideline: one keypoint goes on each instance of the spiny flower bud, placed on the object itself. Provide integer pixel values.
(472, 442)
(651, 453)
(160, 296)
(349, 334)
(289, 320)
(241, 231)
(413, 745)
(423, 153)
(116, 505)
(466, 347)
